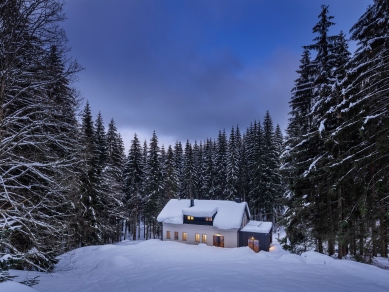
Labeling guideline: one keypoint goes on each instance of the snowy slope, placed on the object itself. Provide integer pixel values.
(171, 266)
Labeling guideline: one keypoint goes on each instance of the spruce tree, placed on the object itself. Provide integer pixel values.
(362, 130)
(162, 159)
(279, 140)
(179, 166)
(208, 189)
(232, 167)
(245, 172)
(189, 183)
(154, 184)
(113, 174)
(272, 183)
(198, 169)
(171, 175)
(294, 157)
(257, 182)
(241, 162)
(307, 151)
(221, 166)
(108, 201)
(144, 191)
(90, 205)
(133, 185)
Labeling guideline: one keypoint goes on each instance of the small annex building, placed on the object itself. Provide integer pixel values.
(215, 223)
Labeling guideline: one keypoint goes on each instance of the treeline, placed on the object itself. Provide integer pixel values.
(336, 158)
(65, 180)
(229, 167)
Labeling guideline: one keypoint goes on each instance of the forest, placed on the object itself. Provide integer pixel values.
(335, 161)
(67, 182)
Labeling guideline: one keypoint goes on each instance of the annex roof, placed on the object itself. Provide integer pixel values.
(229, 214)
(257, 227)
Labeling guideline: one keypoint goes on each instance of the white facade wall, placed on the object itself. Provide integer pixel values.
(230, 235)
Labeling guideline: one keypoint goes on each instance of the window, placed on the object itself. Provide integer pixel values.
(167, 234)
(253, 244)
(208, 219)
(204, 239)
(183, 235)
(190, 217)
(197, 237)
(175, 235)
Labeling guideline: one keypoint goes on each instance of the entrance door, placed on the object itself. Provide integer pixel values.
(218, 240)
(253, 244)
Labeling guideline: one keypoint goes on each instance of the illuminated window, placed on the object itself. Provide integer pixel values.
(175, 235)
(183, 235)
(167, 234)
(204, 239)
(197, 237)
(208, 219)
(190, 217)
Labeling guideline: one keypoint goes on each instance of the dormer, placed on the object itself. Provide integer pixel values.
(199, 220)
(200, 215)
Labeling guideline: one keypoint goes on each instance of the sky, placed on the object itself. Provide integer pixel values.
(189, 68)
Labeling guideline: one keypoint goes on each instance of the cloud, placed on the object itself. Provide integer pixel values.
(197, 100)
(188, 69)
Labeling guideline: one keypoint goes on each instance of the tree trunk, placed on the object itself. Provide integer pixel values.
(147, 230)
(340, 232)
(320, 245)
(134, 226)
(354, 252)
(383, 232)
(139, 217)
(361, 235)
(373, 219)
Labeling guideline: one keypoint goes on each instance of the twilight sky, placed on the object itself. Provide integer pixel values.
(189, 68)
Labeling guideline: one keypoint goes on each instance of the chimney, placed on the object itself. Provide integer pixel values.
(191, 202)
(237, 200)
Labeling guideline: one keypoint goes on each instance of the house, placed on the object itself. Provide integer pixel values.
(215, 223)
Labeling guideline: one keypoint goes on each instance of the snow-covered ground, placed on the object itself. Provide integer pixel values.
(154, 265)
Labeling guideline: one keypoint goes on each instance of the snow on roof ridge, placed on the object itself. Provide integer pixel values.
(207, 211)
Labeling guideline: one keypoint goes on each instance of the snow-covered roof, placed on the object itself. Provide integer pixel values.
(257, 226)
(229, 213)
(200, 211)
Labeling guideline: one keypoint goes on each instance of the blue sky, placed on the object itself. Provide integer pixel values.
(188, 69)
